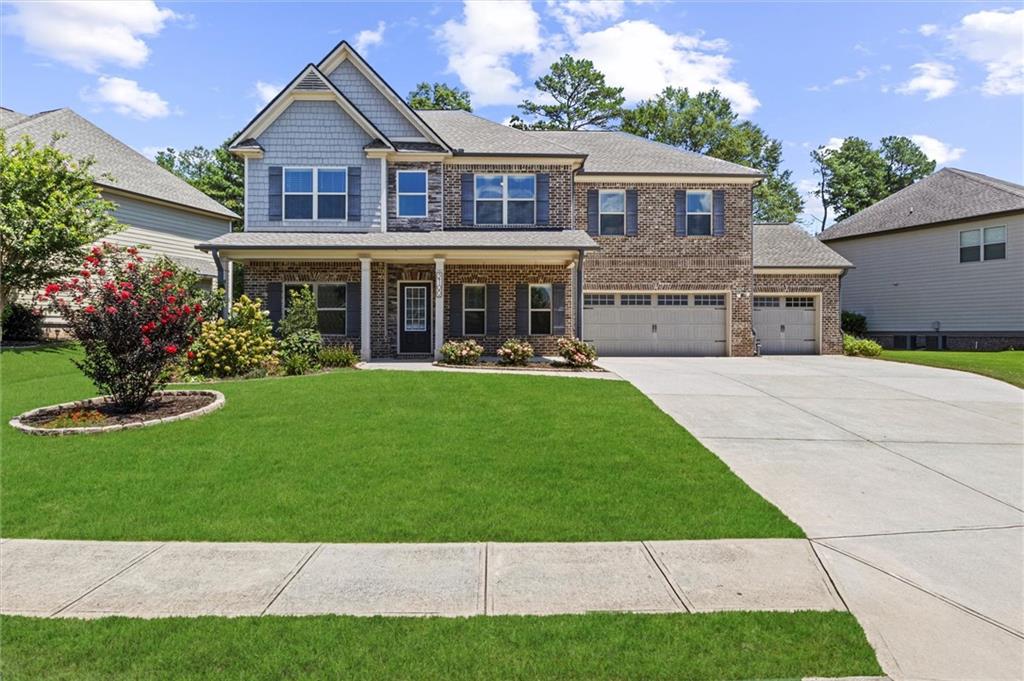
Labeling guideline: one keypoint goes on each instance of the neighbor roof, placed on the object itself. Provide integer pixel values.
(117, 166)
(790, 245)
(619, 153)
(468, 133)
(946, 196)
(570, 239)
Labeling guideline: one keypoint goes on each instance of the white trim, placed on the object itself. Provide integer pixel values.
(399, 193)
(245, 193)
(602, 192)
(398, 311)
(314, 285)
(438, 306)
(478, 159)
(365, 340)
(505, 199)
(474, 309)
(550, 309)
(799, 270)
(383, 194)
(681, 180)
(315, 193)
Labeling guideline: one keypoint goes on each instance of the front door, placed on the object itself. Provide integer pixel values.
(414, 318)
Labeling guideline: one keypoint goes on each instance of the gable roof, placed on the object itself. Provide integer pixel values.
(467, 133)
(117, 165)
(949, 195)
(790, 246)
(620, 153)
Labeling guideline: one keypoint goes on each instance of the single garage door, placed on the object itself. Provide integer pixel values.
(786, 325)
(655, 323)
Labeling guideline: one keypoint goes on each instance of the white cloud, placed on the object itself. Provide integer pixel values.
(127, 98)
(576, 15)
(928, 29)
(937, 150)
(834, 143)
(151, 152)
(368, 38)
(86, 35)
(859, 75)
(265, 92)
(995, 39)
(934, 79)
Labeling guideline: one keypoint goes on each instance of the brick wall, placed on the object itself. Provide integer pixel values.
(827, 285)
(560, 184)
(435, 181)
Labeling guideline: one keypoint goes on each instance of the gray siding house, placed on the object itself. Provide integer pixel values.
(939, 264)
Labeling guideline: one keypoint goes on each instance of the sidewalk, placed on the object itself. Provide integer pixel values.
(87, 579)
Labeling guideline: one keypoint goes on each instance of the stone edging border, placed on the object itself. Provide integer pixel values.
(545, 368)
(16, 422)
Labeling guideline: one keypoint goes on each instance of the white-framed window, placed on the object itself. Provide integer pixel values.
(474, 309)
(598, 299)
(698, 212)
(983, 244)
(540, 309)
(330, 300)
(411, 189)
(505, 199)
(315, 193)
(611, 206)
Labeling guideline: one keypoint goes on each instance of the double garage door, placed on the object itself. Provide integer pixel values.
(786, 325)
(683, 324)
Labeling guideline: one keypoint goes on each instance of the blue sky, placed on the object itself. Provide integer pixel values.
(179, 74)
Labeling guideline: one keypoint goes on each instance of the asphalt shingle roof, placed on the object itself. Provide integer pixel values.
(124, 168)
(948, 195)
(780, 245)
(570, 239)
(471, 134)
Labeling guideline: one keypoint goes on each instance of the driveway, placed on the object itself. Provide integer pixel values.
(908, 479)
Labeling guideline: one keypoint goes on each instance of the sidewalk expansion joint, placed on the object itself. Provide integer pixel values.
(288, 578)
(676, 593)
(132, 563)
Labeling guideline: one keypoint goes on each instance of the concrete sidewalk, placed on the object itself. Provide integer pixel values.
(88, 579)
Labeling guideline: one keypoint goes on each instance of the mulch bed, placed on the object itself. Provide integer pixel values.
(533, 366)
(102, 414)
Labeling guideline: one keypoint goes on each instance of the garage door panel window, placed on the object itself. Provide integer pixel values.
(800, 301)
(766, 302)
(598, 299)
(698, 213)
(540, 309)
(474, 309)
(673, 299)
(709, 300)
(634, 299)
(330, 301)
(612, 212)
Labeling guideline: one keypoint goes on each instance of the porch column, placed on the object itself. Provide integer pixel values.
(438, 306)
(229, 284)
(364, 311)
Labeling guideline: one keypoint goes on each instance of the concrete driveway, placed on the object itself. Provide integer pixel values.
(908, 479)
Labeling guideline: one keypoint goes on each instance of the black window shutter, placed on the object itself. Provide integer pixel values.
(353, 309)
(718, 212)
(681, 213)
(493, 309)
(522, 309)
(468, 218)
(592, 226)
(631, 212)
(455, 311)
(355, 188)
(275, 302)
(274, 193)
(558, 309)
(543, 200)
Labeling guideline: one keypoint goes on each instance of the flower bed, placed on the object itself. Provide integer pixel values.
(529, 366)
(97, 415)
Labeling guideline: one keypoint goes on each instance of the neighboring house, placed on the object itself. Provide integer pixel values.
(162, 212)
(939, 264)
(414, 227)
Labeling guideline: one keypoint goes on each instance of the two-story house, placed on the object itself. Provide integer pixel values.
(414, 227)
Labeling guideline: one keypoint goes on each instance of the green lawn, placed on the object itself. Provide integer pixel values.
(374, 456)
(1006, 366)
(762, 645)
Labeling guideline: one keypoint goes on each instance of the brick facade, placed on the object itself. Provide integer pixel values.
(825, 284)
(560, 194)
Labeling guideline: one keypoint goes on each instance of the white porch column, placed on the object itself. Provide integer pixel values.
(229, 283)
(364, 311)
(438, 306)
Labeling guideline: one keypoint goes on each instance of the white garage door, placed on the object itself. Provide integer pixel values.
(655, 323)
(786, 325)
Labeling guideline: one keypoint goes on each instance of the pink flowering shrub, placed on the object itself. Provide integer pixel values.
(576, 352)
(515, 352)
(133, 318)
(461, 352)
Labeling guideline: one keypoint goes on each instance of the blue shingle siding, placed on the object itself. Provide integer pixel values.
(371, 102)
(313, 134)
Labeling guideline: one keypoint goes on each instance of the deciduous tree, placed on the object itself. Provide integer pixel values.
(439, 96)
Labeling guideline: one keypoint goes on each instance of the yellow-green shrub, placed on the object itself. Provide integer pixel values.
(239, 346)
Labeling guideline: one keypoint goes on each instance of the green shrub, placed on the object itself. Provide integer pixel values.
(297, 364)
(301, 314)
(515, 352)
(19, 323)
(576, 352)
(854, 324)
(241, 346)
(305, 342)
(461, 352)
(860, 347)
(339, 356)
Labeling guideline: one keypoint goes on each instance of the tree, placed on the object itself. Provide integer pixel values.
(705, 123)
(856, 175)
(439, 96)
(216, 172)
(582, 98)
(50, 211)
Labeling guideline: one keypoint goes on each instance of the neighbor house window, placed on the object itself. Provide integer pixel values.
(412, 193)
(698, 213)
(474, 309)
(315, 193)
(330, 305)
(505, 199)
(612, 212)
(540, 309)
(983, 244)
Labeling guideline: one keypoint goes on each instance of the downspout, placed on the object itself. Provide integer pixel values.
(225, 310)
(579, 294)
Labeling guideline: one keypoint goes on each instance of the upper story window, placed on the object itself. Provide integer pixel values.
(505, 199)
(983, 244)
(315, 193)
(412, 193)
(612, 212)
(698, 213)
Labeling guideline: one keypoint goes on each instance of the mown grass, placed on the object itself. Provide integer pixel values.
(1006, 366)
